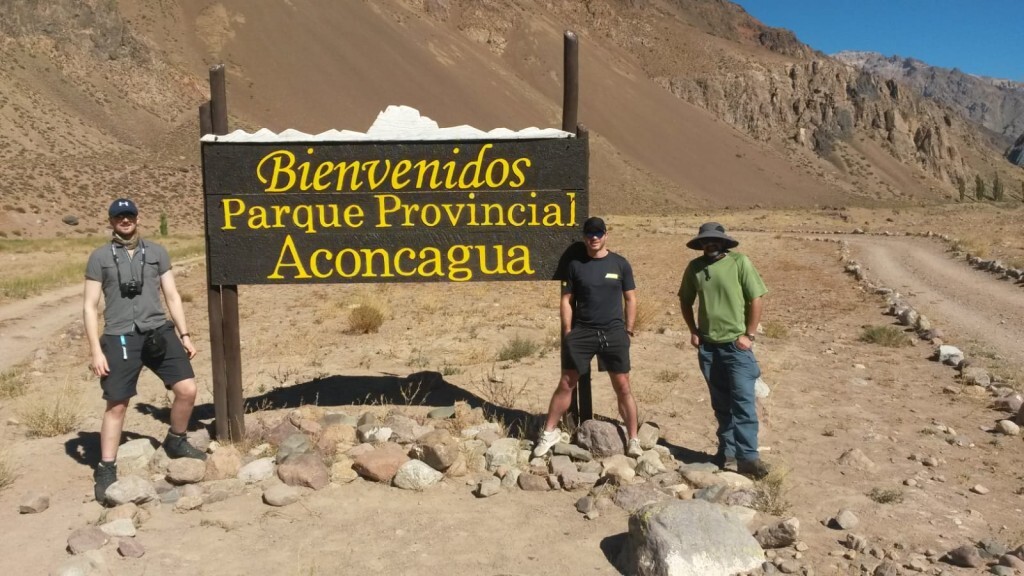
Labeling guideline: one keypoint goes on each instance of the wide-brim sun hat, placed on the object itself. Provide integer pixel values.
(712, 231)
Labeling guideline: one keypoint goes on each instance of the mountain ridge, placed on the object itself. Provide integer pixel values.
(690, 104)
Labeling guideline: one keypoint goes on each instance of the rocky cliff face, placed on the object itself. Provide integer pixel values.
(766, 83)
(994, 103)
(821, 103)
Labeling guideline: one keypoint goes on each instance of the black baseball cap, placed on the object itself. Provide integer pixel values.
(123, 206)
(594, 224)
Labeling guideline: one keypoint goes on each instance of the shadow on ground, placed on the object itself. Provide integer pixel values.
(417, 389)
(85, 447)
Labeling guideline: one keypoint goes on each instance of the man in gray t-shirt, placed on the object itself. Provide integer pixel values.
(129, 273)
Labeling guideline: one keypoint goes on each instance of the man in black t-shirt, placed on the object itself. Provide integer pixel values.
(595, 322)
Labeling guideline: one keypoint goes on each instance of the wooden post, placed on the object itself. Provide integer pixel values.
(571, 89)
(216, 315)
(230, 391)
(581, 407)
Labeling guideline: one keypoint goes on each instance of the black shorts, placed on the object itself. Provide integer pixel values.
(126, 363)
(611, 347)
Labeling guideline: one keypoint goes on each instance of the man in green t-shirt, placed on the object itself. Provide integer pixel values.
(730, 291)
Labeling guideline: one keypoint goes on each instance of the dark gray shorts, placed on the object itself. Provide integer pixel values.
(126, 363)
(611, 347)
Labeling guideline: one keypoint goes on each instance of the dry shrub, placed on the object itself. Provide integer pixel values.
(886, 495)
(888, 336)
(499, 391)
(365, 319)
(972, 245)
(7, 474)
(646, 315)
(13, 382)
(770, 493)
(518, 348)
(46, 419)
(775, 330)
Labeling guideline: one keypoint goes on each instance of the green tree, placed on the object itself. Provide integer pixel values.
(997, 188)
(979, 187)
(163, 224)
(961, 186)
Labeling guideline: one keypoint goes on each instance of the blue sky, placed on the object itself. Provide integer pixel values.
(984, 37)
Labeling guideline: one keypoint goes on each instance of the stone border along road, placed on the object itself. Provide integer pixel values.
(970, 305)
(25, 325)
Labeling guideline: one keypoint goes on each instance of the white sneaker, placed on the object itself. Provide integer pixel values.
(547, 440)
(633, 449)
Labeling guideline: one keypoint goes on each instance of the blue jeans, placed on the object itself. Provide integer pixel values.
(731, 374)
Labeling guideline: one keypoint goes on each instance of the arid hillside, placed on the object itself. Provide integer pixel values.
(690, 104)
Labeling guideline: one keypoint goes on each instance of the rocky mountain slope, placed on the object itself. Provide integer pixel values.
(690, 103)
(997, 104)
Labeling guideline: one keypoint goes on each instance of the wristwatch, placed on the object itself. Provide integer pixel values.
(751, 336)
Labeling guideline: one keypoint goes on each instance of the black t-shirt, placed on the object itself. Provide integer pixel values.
(597, 286)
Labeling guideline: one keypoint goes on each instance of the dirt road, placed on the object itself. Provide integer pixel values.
(970, 306)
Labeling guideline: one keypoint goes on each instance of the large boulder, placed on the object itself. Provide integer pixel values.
(687, 538)
(602, 439)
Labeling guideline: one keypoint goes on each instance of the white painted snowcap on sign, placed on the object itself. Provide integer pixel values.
(394, 123)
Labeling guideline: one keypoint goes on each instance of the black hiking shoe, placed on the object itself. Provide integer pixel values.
(726, 463)
(755, 469)
(177, 446)
(104, 475)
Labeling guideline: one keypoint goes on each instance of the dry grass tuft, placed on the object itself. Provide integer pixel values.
(46, 419)
(365, 319)
(13, 382)
(886, 495)
(888, 336)
(501, 391)
(770, 493)
(7, 474)
(646, 315)
(775, 330)
(518, 348)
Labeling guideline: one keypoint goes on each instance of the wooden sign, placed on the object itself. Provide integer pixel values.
(372, 211)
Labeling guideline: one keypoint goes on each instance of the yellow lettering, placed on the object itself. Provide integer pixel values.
(385, 262)
(313, 265)
(354, 216)
(431, 267)
(434, 217)
(519, 260)
(500, 269)
(491, 180)
(281, 163)
(401, 169)
(384, 210)
(458, 255)
(288, 248)
(398, 256)
(553, 215)
(226, 203)
(434, 166)
(258, 218)
(303, 218)
(519, 172)
(339, 263)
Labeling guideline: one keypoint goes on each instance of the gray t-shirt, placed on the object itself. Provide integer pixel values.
(122, 314)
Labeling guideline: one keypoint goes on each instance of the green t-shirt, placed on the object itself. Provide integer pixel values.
(725, 288)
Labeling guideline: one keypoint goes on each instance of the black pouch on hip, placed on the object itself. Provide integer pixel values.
(154, 347)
